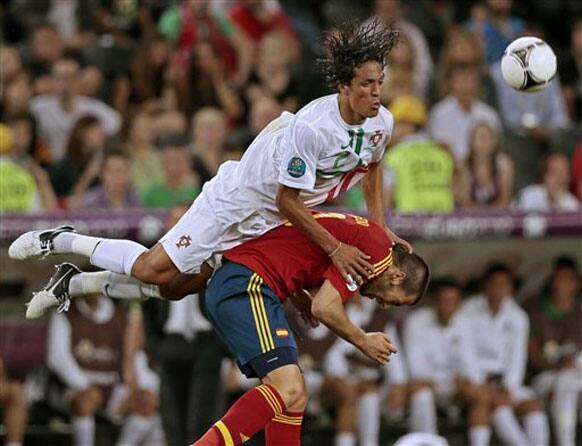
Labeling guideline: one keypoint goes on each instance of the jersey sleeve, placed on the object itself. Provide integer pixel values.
(300, 157)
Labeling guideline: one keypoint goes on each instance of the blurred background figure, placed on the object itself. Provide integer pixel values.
(552, 192)
(452, 118)
(180, 184)
(419, 171)
(555, 348)
(443, 365)
(209, 134)
(486, 179)
(13, 404)
(86, 351)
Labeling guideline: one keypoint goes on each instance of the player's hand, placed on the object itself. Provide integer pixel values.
(378, 347)
(352, 263)
(400, 241)
(302, 302)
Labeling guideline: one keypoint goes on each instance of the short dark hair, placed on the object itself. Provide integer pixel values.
(166, 140)
(417, 272)
(441, 283)
(351, 45)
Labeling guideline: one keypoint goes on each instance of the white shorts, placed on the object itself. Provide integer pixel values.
(222, 217)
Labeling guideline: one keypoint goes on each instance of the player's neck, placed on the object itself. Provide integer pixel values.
(348, 114)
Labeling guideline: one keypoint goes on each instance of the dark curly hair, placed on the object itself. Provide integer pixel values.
(351, 45)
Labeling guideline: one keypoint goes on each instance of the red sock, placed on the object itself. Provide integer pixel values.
(284, 429)
(248, 415)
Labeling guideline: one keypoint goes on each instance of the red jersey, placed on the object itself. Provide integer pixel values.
(288, 261)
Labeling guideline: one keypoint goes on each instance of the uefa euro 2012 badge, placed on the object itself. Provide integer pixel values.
(296, 167)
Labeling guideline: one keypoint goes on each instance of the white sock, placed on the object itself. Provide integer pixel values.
(479, 435)
(135, 429)
(116, 255)
(83, 431)
(73, 243)
(155, 436)
(564, 406)
(368, 408)
(507, 427)
(423, 412)
(116, 286)
(345, 439)
(537, 428)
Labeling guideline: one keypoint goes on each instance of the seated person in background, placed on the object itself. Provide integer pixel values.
(180, 184)
(442, 365)
(538, 116)
(332, 394)
(552, 193)
(499, 330)
(209, 134)
(370, 382)
(419, 170)
(115, 190)
(555, 348)
(486, 179)
(24, 185)
(13, 406)
(452, 119)
(86, 350)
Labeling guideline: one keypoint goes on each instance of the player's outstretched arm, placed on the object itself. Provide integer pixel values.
(373, 190)
(328, 307)
(349, 260)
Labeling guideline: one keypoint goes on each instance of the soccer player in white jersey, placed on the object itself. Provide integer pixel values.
(297, 162)
(443, 365)
(499, 336)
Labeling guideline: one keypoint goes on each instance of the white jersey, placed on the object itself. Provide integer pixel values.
(437, 352)
(314, 150)
(499, 341)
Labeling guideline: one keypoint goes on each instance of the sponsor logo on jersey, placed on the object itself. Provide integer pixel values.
(184, 241)
(296, 167)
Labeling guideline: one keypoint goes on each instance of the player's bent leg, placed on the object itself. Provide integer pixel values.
(479, 402)
(535, 421)
(422, 408)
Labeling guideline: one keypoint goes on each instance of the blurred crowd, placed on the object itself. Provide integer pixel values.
(114, 104)
(111, 104)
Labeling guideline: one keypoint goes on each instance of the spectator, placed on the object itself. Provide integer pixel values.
(442, 365)
(145, 161)
(499, 333)
(344, 361)
(189, 355)
(461, 48)
(190, 23)
(402, 60)
(168, 121)
(16, 94)
(206, 85)
(487, 177)
(114, 190)
(273, 76)
(13, 404)
(26, 142)
(552, 193)
(539, 116)
(452, 119)
(420, 172)
(10, 62)
(555, 344)
(57, 113)
(209, 132)
(496, 26)
(80, 167)
(399, 83)
(257, 17)
(86, 348)
(180, 184)
(46, 48)
(570, 70)
(150, 70)
(391, 13)
(577, 172)
(262, 112)
(24, 185)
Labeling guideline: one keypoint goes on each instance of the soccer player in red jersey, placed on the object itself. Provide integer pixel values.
(245, 300)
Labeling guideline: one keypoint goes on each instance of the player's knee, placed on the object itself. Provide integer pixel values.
(295, 395)
(530, 406)
(290, 384)
(147, 403)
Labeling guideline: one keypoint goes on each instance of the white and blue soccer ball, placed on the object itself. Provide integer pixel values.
(528, 64)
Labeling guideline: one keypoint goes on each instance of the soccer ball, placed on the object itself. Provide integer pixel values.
(528, 64)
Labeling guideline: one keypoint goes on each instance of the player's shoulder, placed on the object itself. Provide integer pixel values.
(318, 111)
